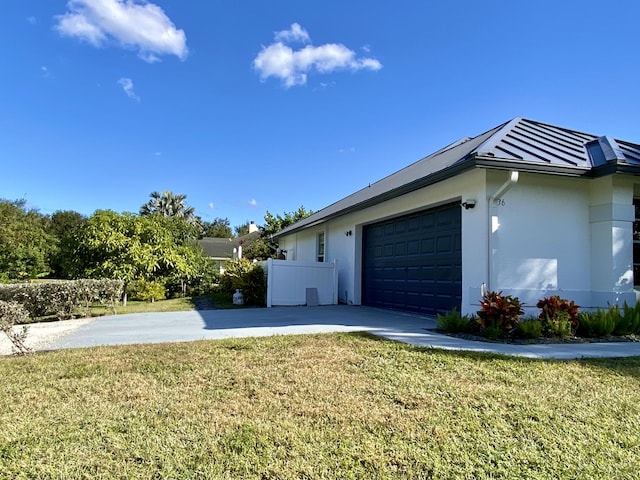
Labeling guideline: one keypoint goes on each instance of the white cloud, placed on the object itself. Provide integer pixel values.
(348, 150)
(131, 24)
(157, 154)
(32, 20)
(46, 73)
(127, 86)
(292, 66)
(253, 202)
(212, 206)
(295, 34)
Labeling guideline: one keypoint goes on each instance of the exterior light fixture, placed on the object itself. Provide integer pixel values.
(467, 204)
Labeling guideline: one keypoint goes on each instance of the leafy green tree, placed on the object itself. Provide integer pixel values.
(169, 204)
(265, 247)
(273, 224)
(63, 225)
(218, 228)
(129, 247)
(25, 244)
(64, 222)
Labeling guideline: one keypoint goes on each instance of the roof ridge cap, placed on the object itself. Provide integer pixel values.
(490, 143)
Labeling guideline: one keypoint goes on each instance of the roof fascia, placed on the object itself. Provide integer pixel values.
(503, 164)
(439, 176)
(478, 161)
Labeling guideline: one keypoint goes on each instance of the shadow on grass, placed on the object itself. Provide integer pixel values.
(213, 301)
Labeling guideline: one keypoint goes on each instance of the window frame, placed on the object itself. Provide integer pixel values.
(321, 247)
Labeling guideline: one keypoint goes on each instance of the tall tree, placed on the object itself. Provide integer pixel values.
(64, 222)
(265, 247)
(25, 244)
(129, 247)
(63, 225)
(169, 204)
(218, 228)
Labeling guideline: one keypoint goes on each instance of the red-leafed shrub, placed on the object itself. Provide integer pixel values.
(559, 316)
(499, 314)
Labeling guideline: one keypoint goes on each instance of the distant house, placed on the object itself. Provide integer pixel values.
(527, 208)
(222, 250)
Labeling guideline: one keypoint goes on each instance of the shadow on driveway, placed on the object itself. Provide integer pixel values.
(260, 322)
(235, 323)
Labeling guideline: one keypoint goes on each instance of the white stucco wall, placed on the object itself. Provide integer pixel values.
(348, 249)
(549, 235)
(540, 238)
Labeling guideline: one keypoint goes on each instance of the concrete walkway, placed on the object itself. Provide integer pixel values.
(219, 324)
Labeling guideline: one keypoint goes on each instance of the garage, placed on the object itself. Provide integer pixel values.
(414, 262)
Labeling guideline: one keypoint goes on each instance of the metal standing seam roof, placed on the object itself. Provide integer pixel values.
(519, 144)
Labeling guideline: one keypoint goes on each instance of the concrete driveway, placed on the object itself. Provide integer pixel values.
(219, 324)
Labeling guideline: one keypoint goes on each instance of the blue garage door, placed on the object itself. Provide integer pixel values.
(414, 263)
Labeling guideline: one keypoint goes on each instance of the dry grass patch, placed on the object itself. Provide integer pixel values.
(326, 406)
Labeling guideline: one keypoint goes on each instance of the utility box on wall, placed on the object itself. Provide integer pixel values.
(293, 283)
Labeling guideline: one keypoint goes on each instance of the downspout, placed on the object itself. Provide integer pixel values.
(495, 201)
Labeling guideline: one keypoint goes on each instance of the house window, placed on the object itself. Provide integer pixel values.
(320, 247)
(636, 243)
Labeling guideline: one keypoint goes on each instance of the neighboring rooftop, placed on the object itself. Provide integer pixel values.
(520, 144)
(222, 248)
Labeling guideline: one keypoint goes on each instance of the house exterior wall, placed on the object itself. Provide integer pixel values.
(547, 235)
(540, 238)
(347, 249)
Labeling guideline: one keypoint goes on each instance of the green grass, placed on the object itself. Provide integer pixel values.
(134, 306)
(325, 406)
(220, 300)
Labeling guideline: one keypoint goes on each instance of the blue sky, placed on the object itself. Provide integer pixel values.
(268, 105)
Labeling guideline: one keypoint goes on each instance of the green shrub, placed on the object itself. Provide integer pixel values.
(207, 279)
(597, 324)
(555, 312)
(453, 322)
(12, 313)
(627, 321)
(499, 312)
(529, 328)
(493, 332)
(559, 326)
(248, 277)
(146, 291)
(62, 298)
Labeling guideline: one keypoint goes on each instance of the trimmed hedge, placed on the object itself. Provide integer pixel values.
(63, 299)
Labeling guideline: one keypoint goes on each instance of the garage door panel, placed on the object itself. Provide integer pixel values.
(420, 268)
(400, 248)
(428, 246)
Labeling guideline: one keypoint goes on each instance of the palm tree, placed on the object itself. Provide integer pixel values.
(169, 204)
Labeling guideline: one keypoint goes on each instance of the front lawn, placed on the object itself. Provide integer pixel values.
(323, 406)
(213, 300)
